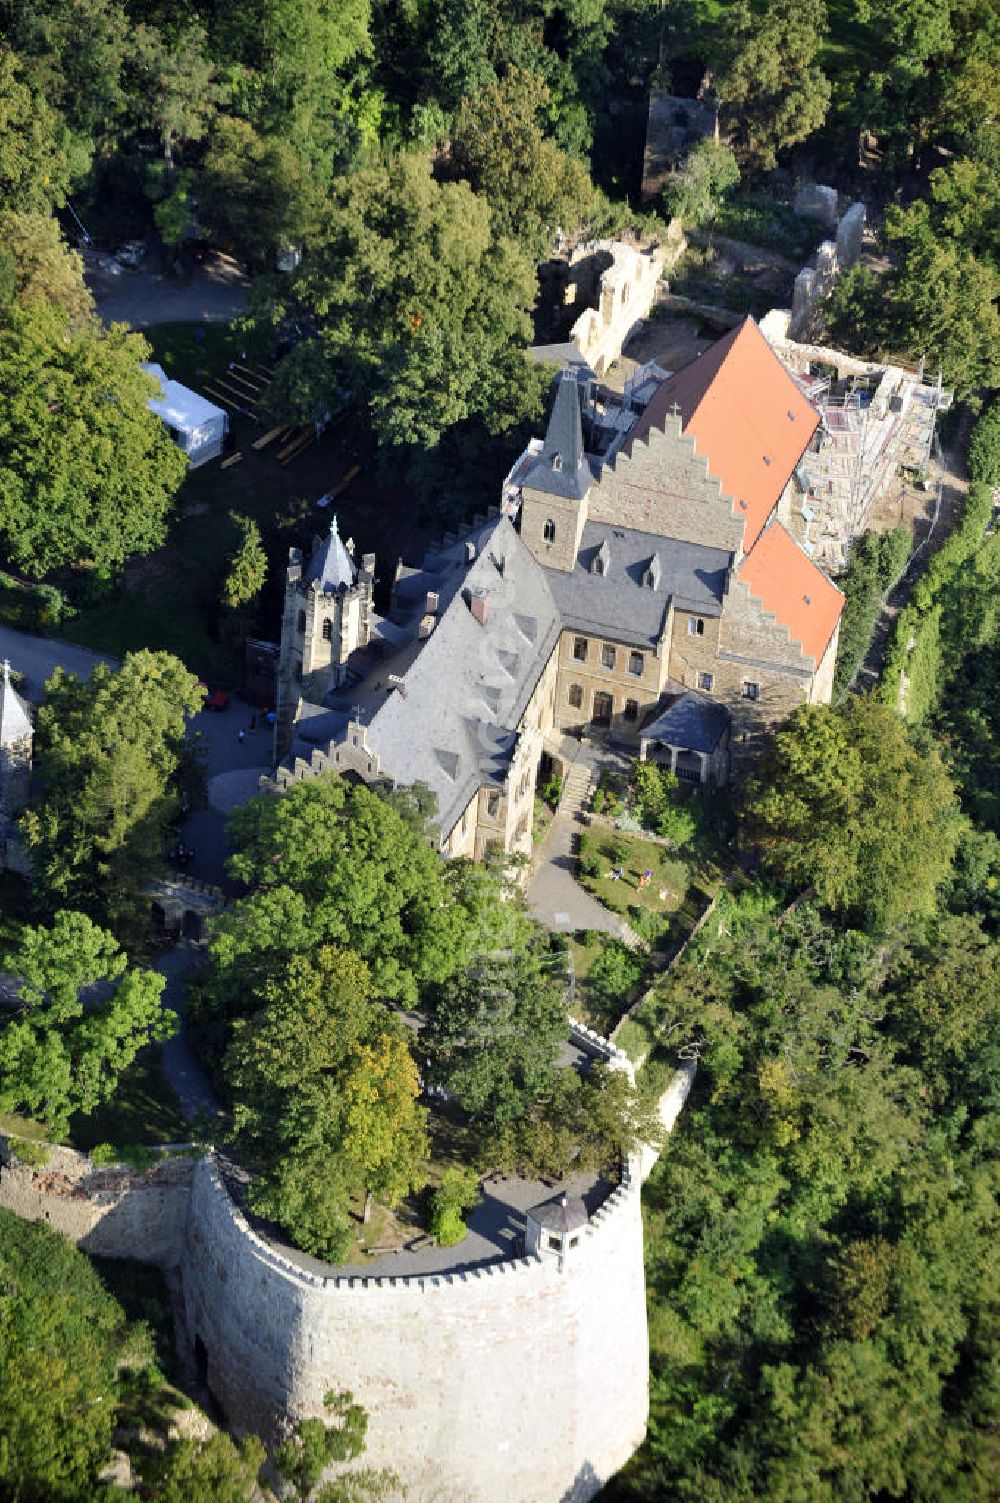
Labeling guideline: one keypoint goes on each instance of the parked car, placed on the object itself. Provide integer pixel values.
(217, 700)
(131, 253)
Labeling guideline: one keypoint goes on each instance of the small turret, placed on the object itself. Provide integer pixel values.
(553, 1228)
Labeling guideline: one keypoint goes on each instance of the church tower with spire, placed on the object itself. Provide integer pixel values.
(16, 737)
(556, 490)
(327, 616)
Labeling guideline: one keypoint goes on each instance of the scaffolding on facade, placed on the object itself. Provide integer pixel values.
(872, 427)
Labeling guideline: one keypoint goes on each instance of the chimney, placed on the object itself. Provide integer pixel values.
(431, 603)
(470, 552)
(479, 605)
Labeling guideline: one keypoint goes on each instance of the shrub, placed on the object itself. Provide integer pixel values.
(136, 1155)
(588, 937)
(984, 448)
(677, 824)
(616, 850)
(459, 1190)
(31, 1153)
(587, 859)
(611, 980)
(551, 791)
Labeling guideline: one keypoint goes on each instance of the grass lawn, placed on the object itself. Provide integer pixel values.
(144, 1109)
(171, 600)
(671, 875)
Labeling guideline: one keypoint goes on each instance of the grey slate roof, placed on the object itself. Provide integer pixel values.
(562, 468)
(453, 727)
(15, 721)
(693, 722)
(617, 604)
(561, 1215)
(331, 564)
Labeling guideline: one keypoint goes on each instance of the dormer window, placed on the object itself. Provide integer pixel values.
(652, 574)
(557, 461)
(549, 531)
(601, 560)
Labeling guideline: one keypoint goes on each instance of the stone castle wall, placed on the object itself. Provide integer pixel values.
(523, 1379)
(510, 1380)
(112, 1212)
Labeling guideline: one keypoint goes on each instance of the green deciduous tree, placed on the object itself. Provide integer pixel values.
(494, 1032)
(177, 93)
(332, 863)
(87, 472)
(418, 306)
(844, 801)
(34, 168)
(532, 186)
(108, 752)
(695, 192)
(254, 195)
(62, 1051)
(41, 265)
(65, 1351)
(772, 90)
(325, 1094)
(216, 1470)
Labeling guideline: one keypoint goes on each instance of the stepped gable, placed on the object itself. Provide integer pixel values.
(792, 587)
(747, 417)
(453, 722)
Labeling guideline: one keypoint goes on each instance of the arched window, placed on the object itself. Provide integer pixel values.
(302, 622)
(327, 629)
(549, 531)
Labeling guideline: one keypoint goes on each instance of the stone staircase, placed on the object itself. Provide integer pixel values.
(576, 789)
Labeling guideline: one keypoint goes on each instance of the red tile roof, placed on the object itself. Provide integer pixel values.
(747, 416)
(789, 583)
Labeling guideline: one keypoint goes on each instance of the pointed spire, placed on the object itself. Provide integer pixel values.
(562, 469)
(331, 564)
(15, 722)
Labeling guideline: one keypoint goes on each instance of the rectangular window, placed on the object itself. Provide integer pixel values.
(580, 649)
(631, 711)
(575, 696)
(609, 655)
(492, 805)
(696, 626)
(751, 690)
(705, 681)
(636, 664)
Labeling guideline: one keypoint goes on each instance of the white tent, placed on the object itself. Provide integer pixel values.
(196, 425)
